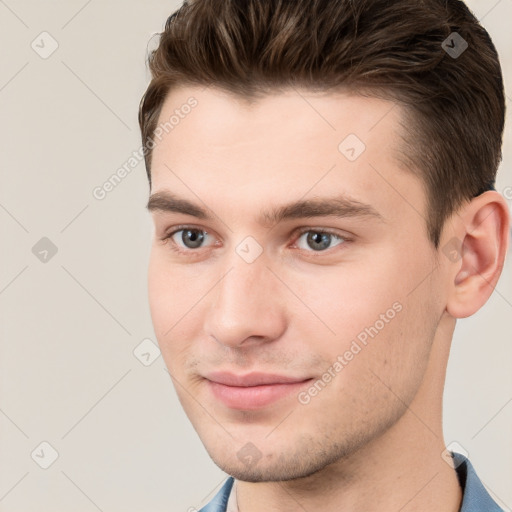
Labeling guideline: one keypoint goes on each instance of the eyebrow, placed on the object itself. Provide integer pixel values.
(339, 206)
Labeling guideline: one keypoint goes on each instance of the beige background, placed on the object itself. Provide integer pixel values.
(70, 325)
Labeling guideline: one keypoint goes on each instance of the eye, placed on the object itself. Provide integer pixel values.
(318, 240)
(188, 238)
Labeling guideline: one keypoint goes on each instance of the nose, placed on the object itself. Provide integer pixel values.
(247, 307)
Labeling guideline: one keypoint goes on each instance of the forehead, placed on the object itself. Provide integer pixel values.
(291, 112)
(282, 146)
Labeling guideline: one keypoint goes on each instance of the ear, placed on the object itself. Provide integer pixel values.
(482, 233)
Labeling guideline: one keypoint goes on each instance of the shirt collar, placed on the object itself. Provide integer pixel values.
(475, 496)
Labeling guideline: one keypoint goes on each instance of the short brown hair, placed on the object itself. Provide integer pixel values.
(454, 105)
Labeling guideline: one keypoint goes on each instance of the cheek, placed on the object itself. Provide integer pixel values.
(396, 350)
(159, 294)
(345, 300)
(371, 381)
(171, 300)
(369, 317)
(172, 291)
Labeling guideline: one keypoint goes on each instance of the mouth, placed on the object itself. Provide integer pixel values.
(254, 390)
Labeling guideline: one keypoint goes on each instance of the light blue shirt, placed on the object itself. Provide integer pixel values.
(475, 497)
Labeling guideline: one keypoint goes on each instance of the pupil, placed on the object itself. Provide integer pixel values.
(192, 238)
(319, 241)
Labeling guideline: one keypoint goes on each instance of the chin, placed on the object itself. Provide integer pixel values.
(266, 472)
(248, 464)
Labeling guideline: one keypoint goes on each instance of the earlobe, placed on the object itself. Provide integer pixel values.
(483, 233)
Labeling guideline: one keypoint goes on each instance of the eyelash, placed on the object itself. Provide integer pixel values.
(167, 239)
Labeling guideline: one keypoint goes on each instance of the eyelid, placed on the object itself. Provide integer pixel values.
(315, 229)
(174, 229)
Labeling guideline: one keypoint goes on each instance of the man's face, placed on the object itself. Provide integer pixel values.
(295, 335)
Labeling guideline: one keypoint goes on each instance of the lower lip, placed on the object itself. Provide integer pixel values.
(253, 397)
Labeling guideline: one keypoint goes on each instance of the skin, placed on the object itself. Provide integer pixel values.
(356, 444)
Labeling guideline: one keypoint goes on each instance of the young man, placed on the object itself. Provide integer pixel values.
(322, 188)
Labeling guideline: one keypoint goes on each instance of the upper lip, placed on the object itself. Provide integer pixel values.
(251, 379)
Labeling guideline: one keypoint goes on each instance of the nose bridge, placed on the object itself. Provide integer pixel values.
(244, 303)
